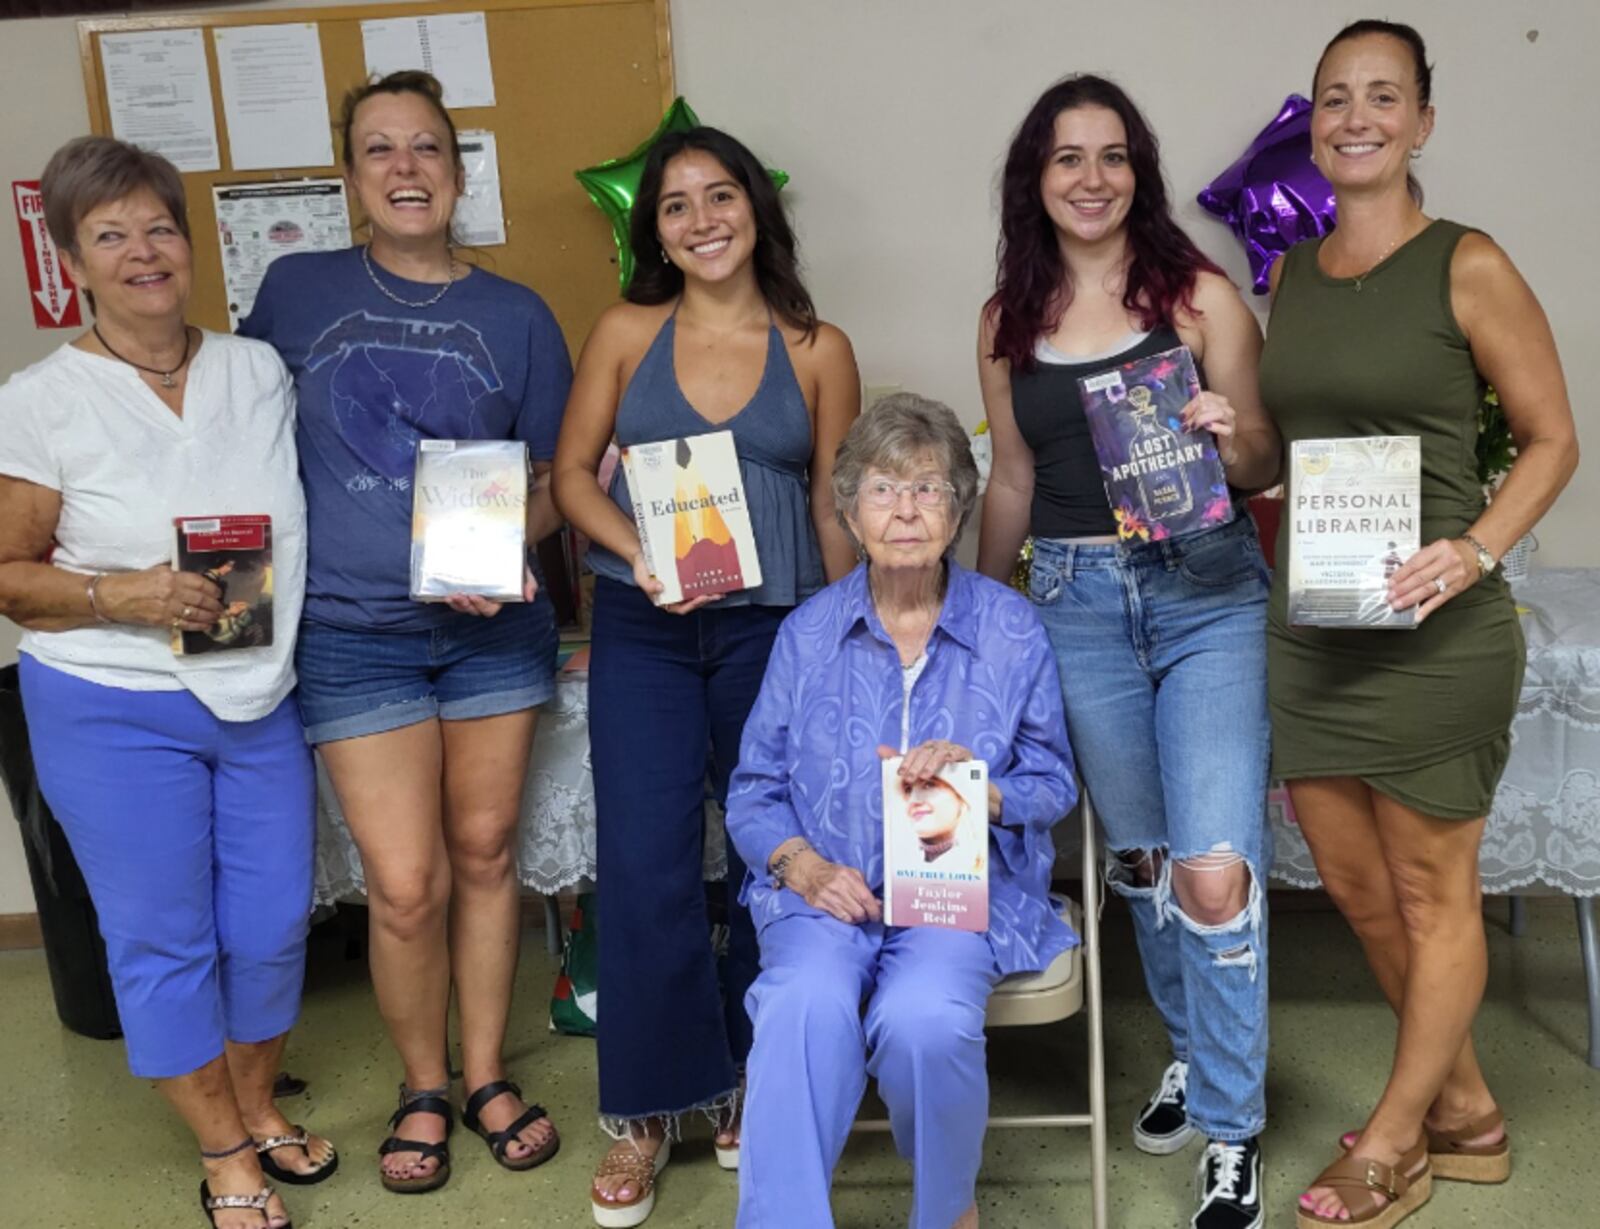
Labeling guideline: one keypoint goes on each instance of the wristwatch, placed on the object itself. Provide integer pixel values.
(1486, 562)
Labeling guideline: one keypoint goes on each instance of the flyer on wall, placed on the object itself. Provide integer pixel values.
(259, 222)
(480, 219)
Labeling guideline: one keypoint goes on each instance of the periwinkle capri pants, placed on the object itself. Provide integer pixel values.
(195, 836)
(920, 1036)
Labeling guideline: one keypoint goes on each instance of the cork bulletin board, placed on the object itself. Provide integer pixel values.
(576, 82)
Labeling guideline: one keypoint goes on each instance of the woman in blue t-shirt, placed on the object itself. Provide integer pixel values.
(423, 713)
(718, 333)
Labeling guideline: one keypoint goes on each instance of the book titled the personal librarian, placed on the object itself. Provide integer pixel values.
(1161, 480)
(235, 554)
(469, 519)
(694, 524)
(1355, 517)
(936, 848)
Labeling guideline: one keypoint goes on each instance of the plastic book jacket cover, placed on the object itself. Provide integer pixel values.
(1355, 515)
(936, 848)
(235, 554)
(469, 523)
(1161, 480)
(694, 524)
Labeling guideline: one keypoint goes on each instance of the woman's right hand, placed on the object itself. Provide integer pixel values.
(839, 891)
(652, 588)
(160, 597)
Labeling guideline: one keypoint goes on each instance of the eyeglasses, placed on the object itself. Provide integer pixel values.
(927, 492)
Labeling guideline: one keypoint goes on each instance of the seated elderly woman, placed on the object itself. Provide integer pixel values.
(182, 781)
(910, 653)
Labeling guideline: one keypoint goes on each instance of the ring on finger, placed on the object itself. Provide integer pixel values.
(187, 611)
(1441, 585)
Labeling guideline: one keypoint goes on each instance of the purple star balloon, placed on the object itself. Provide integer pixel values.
(1273, 196)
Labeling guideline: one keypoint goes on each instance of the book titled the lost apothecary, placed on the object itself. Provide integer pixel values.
(936, 848)
(1161, 480)
(469, 519)
(689, 506)
(1355, 516)
(235, 554)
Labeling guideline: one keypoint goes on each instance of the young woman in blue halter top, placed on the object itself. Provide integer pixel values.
(717, 333)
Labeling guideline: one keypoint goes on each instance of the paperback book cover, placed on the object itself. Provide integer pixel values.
(469, 523)
(936, 848)
(1161, 480)
(235, 554)
(694, 524)
(1354, 517)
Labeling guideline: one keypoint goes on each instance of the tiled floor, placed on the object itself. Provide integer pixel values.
(83, 1144)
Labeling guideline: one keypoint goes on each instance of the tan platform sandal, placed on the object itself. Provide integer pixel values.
(637, 1168)
(1453, 1159)
(1363, 1185)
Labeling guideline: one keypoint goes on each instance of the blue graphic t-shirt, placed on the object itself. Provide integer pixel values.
(373, 377)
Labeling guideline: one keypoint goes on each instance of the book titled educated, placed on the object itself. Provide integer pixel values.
(693, 521)
(235, 554)
(1161, 481)
(1354, 517)
(469, 519)
(936, 848)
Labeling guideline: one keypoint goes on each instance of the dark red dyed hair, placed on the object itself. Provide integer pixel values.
(1033, 286)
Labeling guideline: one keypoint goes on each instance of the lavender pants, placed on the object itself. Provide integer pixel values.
(835, 1003)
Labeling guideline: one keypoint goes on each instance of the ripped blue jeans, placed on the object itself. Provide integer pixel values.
(1161, 648)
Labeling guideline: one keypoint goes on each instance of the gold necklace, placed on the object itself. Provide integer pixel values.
(1370, 268)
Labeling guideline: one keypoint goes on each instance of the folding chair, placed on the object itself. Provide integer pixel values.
(1056, 994)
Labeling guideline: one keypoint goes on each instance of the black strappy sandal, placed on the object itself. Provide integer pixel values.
(299, 1139)
(500, 1141)
(428, 1101)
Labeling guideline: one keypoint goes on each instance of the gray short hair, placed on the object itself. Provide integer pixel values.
(87, 172)
(890, 436)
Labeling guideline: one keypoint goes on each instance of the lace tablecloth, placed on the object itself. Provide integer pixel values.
(1544, 830)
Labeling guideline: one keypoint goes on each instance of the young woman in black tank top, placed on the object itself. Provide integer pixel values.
(1160, 643)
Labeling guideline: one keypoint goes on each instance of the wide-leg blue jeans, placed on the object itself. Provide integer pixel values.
(668, 699)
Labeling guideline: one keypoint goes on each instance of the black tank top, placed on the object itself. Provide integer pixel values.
(1069, 495)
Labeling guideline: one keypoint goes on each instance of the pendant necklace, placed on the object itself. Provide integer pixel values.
(166, 376)
(366, 259)
(1374, 265)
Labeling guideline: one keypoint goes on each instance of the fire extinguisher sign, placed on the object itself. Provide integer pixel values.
(55, 298)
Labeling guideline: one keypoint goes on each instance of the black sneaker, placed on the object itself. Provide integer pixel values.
(1162, 1126)
(1229, 1184)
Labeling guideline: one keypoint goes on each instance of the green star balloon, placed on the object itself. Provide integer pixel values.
(613, 185)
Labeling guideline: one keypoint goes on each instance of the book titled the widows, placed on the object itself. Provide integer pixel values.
(469, 519)
(235, 554)
(694, 524)
(1161, 480)
(936, 848)
(1355, 509)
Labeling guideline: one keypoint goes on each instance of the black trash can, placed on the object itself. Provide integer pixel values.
(74, 951)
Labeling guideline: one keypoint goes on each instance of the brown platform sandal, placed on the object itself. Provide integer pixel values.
(1454, 1160)
(1359, 1182)
(637, 1168)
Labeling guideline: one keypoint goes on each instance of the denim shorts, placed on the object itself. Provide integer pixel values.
(368, 682)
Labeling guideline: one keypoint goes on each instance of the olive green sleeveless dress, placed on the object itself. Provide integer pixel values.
(1422, 716)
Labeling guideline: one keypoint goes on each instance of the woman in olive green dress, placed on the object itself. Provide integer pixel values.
(1393, 741)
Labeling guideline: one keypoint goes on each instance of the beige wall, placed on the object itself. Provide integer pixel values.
(892, 117)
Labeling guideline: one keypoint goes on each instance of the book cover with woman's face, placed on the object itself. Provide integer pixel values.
(936, 847)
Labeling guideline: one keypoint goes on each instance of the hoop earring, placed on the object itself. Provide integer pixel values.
(1416, 153)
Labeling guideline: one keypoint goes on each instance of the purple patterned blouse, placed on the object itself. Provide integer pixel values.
(808, 765)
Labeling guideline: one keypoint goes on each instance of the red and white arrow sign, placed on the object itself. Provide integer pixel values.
(55, 298)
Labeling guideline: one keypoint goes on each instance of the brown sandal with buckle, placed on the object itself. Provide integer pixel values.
(635, 1167)
(1363, 1185)
(1453, 1159)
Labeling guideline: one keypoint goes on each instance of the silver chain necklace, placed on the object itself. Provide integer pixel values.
(366, 260)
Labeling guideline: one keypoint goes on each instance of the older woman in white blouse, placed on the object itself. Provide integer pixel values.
(182, 782)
